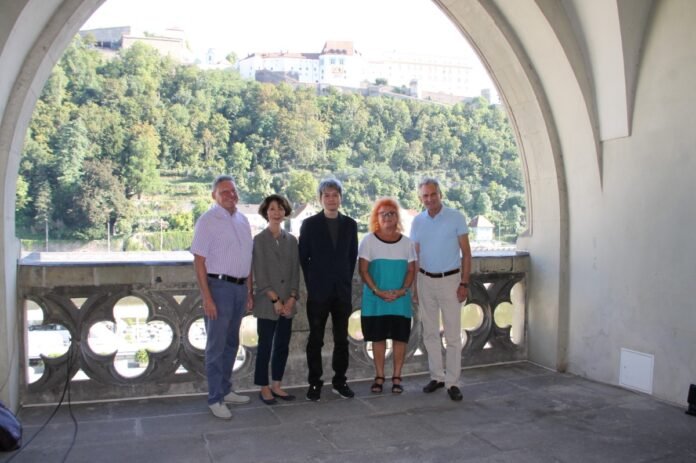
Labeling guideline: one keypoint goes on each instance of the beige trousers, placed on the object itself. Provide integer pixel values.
(439, 296)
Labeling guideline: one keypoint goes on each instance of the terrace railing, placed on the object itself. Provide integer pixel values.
(115, 326)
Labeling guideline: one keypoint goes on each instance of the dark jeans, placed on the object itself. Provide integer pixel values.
(274, 338)
(317, 314)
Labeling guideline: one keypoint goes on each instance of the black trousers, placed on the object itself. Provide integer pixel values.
(317, 315)
(274, 339)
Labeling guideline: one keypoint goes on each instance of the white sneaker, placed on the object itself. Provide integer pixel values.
(221, 411)
(232, 398)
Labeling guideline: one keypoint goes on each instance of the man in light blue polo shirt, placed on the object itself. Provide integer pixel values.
(441, 237)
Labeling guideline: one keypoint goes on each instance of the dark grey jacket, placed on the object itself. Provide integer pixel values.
(276, 266)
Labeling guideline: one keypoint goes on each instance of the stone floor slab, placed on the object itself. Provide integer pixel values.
(267, 444)
(510, 413)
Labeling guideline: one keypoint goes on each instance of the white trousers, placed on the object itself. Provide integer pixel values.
(439, 296)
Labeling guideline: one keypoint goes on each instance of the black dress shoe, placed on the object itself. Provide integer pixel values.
(287, 398)
(433, 386)
(271, 401)
(454, 393)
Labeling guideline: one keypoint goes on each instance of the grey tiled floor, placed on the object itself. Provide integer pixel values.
(510, 413)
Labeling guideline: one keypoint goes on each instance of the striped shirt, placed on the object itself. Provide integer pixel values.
(225, 241)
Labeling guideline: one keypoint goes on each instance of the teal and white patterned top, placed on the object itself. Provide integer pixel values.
(388, 267)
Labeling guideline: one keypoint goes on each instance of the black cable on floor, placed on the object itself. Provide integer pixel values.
(66, 389)
(72, 416)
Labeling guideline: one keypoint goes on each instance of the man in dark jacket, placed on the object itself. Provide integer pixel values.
(328, 248)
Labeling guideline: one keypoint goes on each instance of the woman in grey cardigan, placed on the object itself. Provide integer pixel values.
(277, 279)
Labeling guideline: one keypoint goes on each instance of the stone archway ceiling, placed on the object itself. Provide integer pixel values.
(585, 54)
(610, 35)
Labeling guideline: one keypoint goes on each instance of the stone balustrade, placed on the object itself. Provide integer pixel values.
(77, 293)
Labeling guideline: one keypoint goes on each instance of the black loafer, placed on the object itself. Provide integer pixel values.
(287, 398)
(433, 386)
(454, 393)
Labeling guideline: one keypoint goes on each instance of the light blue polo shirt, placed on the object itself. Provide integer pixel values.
(438, 239)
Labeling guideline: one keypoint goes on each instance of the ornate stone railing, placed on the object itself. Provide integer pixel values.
(77, 294)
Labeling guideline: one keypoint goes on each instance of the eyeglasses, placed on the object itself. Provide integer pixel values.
(388, 214)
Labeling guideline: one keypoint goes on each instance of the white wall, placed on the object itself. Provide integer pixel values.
(644, 250)
(610, 213)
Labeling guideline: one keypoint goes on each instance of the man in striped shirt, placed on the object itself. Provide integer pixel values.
(222, 247)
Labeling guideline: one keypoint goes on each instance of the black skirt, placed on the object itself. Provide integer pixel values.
(385, 327)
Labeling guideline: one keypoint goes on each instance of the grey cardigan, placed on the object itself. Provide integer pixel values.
(276, 266)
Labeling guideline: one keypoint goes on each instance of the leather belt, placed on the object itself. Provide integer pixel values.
(439, 274)
(235, 280)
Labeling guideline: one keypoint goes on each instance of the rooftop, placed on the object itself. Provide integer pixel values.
(516, 412)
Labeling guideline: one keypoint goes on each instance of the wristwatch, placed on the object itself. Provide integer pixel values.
(466, 285)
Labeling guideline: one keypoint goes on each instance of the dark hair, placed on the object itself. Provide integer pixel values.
(222, 178)
(330, 183)
(282, 202)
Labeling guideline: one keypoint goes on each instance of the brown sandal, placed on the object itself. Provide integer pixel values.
(397, 388)
(376, 387)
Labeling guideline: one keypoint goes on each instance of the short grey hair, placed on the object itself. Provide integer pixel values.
(429, 181)
(222, 178)
(327, 183)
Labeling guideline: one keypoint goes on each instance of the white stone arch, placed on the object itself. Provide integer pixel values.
(550, 75)
(33, 36)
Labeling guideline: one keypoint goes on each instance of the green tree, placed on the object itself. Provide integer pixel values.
(482, 205)
(43, 203)
(180, 221)
(81, 61)
(231, 58)
(302, 187)
(200, 206)
(22, 200)
(239, 162)
(141, 173)
(258, 185)
(71, 149)
(99, 200)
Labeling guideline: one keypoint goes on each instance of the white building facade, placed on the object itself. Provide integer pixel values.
(339, 64)
(304, 67)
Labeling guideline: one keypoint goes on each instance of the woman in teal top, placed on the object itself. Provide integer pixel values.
(387, 267)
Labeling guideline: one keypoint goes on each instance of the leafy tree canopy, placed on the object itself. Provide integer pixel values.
(109, 134)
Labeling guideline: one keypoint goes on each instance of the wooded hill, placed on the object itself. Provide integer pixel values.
(138, 137)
